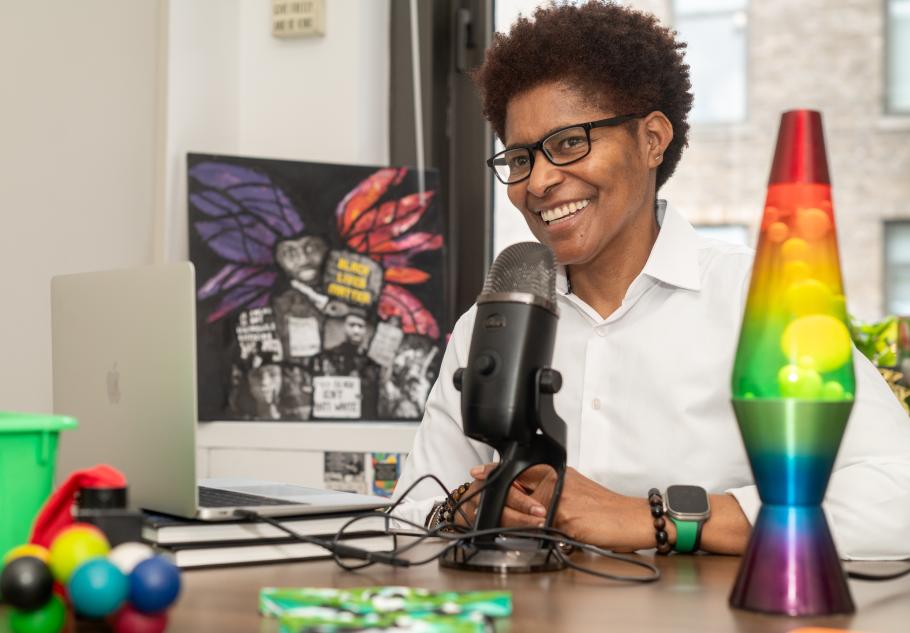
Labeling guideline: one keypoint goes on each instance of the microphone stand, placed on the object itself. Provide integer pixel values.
(501, 553)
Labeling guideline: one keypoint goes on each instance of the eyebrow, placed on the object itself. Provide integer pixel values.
(545, 135)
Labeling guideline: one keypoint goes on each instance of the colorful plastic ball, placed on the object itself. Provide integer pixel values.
(809, 296)
(794, 249)
(97, 588)
(48, 619)
(128, 620)
(29, 549)
(26, 583)
(812, 224)
(127, 555)
(778, 232)
(799, 382)
(154, 585)
(75, 545)
(823, 338)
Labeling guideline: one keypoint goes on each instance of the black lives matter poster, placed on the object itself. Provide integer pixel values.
(320, 289)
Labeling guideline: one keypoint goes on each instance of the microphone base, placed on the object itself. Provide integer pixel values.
(504, 555)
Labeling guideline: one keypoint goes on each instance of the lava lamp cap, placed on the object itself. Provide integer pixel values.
(800, 153)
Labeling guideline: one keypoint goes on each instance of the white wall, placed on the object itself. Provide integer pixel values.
(78, 131)
(236, 89)
(100, 101)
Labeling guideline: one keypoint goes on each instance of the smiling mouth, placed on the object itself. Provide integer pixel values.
(563, 211)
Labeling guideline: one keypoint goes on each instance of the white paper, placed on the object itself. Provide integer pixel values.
(336, 397)
(303, 335)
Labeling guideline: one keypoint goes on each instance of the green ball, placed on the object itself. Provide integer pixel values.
(48, 619)
(75, 545)
(799, 382)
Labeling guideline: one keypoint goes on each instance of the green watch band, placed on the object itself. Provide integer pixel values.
(686, 535)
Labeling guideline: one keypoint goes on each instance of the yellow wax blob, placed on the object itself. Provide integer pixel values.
(778, 232)
(813, 224)
(809, 296)
(794, 249)
(833, 391)
(821, 337)
(796, 271)
(799, 382)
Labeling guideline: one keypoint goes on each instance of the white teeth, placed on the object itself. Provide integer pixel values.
(549, 215)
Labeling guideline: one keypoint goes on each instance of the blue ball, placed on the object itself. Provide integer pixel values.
(97, 588)
(154, 585)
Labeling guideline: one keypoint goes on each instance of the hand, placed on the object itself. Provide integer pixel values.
(520, 508)
(587, 511)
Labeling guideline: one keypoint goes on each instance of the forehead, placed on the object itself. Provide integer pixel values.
(535, 112)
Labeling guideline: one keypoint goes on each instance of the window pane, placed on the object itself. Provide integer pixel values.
(898, 88)
(716, 54)
(897, 268)
(708, 6)
(733, 233)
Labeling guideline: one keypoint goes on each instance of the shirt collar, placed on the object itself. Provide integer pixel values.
(674, 256)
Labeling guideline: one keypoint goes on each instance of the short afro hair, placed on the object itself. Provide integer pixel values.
(624, 59)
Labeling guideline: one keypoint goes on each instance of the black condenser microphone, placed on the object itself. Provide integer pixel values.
(507, 387)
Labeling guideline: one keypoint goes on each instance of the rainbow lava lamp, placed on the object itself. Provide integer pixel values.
(793, 384)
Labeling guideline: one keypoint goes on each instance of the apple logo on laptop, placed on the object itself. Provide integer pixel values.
(113, 385)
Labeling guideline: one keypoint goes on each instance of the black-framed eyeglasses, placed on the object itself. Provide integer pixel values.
(562, 147)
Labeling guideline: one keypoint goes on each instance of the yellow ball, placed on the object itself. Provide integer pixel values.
(29, 549)
(75, 545)
(820, 337)
(794, 249)
(833, 391)
(809, 296)
(778, 232)
(799, 382)
(796, 271)
(812, 224)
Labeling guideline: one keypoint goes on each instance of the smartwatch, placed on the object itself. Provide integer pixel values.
(688, 508)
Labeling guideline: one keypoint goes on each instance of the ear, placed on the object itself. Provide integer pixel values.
(658, 133)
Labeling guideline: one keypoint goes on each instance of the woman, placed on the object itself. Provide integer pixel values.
(591, 104)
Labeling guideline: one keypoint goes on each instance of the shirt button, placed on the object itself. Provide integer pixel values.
(595, 403)
(601, 332)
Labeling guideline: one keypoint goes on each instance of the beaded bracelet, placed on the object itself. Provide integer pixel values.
(656, 501)
(444, 513)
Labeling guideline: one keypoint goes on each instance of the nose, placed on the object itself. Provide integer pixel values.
(544, 175)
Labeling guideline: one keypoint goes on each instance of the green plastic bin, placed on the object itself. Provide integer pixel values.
(28, 454)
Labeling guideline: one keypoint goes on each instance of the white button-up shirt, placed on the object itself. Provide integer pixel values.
(646, 399)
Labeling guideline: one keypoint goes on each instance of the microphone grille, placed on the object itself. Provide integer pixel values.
(523, 267)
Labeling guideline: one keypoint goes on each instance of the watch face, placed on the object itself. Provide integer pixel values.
(687, 499)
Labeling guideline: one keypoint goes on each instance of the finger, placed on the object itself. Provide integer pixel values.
(532, 477)
(525, 504)
(481, 471)
(514, 518)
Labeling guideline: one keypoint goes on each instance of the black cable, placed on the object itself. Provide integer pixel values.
(859, 575)
(455, 535)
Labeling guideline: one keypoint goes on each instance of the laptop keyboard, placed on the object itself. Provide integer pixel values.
(217, 498)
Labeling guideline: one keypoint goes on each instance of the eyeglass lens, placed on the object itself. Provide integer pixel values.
(561, 148)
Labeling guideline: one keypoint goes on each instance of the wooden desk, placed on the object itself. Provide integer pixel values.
(690, 596)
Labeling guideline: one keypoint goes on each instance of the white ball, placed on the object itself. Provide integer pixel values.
(127, 555)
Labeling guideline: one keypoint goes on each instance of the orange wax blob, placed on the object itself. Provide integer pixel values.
(809, 296)
(794, 249)
(778, 232)
(822, 338)
(812, 224)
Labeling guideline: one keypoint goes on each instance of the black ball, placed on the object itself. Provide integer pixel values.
(26, 583)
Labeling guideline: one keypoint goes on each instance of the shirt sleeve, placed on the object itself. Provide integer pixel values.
(440, 446)
(868, 497)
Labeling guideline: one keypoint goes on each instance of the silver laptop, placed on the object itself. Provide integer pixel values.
(124, 359)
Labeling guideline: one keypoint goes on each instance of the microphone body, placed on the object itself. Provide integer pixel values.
(507, 387)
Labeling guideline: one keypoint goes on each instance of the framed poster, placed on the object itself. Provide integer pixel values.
(320, 289)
